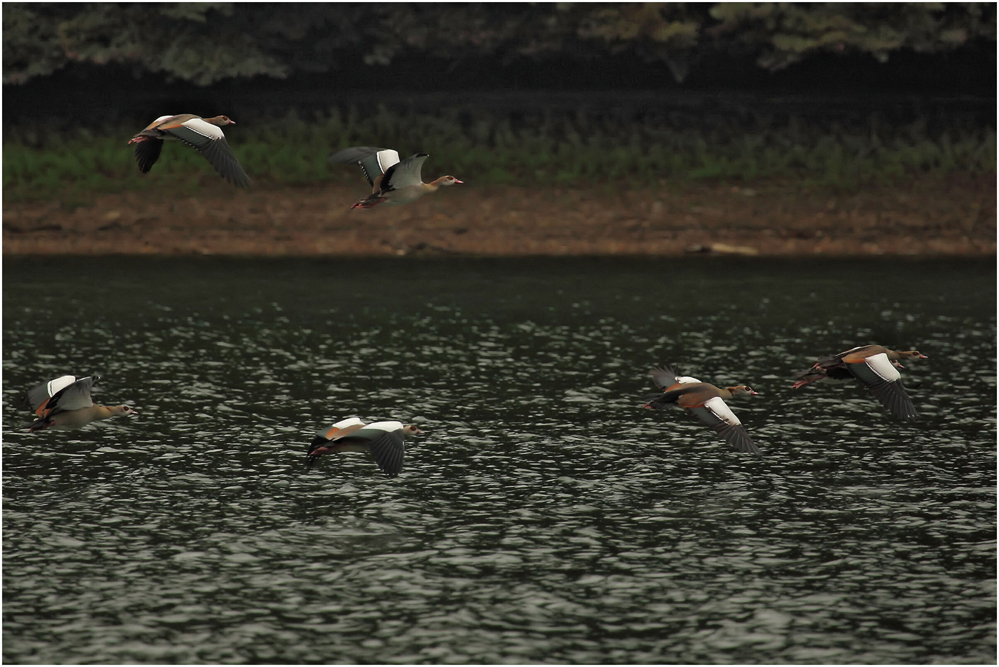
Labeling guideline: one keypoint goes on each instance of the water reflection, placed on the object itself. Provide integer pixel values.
(545, 517)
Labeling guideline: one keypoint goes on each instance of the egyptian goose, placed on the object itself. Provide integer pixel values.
(65, 403)
(874, 366)
(197, 132)
(706, 402)
(392, 182)
(385, 441)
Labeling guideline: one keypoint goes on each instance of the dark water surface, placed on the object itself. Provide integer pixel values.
(544, 517)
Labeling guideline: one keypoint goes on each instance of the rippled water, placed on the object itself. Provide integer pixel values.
(545, 517)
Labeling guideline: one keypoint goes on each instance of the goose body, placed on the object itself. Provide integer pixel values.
(203, 134)
(706, 402)
(65, 403)
(875, 367)
(393, 181)
(385, 441)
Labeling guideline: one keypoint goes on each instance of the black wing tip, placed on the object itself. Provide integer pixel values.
(737, 437)
(389, 452)
(147, 153)
(905, 413)
(657, 404)
(893, 397)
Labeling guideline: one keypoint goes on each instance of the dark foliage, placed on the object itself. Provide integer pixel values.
(204, 43)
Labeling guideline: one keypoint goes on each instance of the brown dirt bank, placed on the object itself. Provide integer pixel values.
(929, 216)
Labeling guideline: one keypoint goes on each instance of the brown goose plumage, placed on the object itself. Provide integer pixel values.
(65, 403)
(874, 366)
(202, 134)
(706, 402)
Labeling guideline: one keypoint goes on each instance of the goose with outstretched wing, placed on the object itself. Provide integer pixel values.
(65, 403)
(393, 181)
(203, 134)
(385, 441)
(706, 402)
(874, 366)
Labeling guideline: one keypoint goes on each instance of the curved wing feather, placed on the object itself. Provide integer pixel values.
(388, 450)
(37, 396)
(663, 377)
(72, 397)
(717, 416)
(404, 174)
(220, 155)
(209, 140)
(373, 161)
(879, 375)
(147, 153)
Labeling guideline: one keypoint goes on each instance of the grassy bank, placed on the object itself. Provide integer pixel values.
(507, 148)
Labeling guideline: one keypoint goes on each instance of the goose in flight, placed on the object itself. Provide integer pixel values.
(874, 366)
(65, 403)
(393, 182)
(384, 441)
(706, 402)
(203, 134)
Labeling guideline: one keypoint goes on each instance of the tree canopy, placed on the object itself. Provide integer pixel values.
(203, 43)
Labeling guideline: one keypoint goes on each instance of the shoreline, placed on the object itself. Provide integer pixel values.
(925, 217)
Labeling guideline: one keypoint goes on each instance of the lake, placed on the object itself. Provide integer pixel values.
(544, 517)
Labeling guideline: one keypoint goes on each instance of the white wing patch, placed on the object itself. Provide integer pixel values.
(60, 383)
(385, 426)
(879, 364)
(203, 128)
(686, 379)
(387, 158)
(344, 423)
(720, 408)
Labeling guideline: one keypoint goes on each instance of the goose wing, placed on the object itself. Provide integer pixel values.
(879, 375)
(147, 153)
(667, 377)
(210, 141)
(37, 396)
(73, 396)
(663, 377)
(717, 416)
(373, 161)
(404, 174)
(388, 450)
